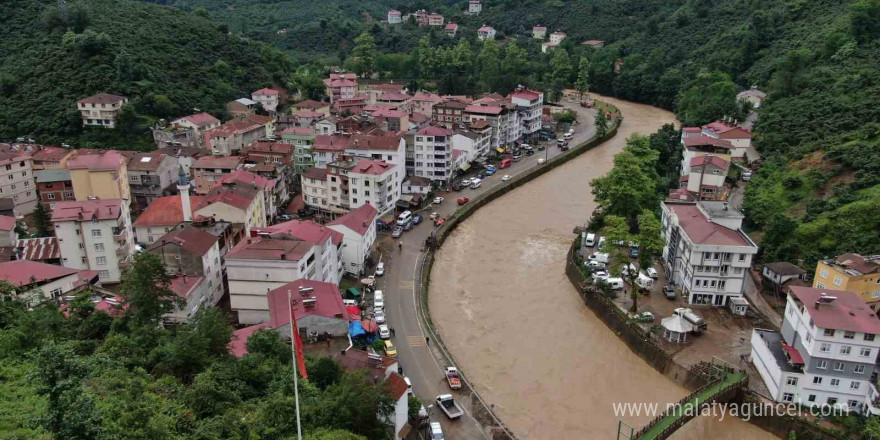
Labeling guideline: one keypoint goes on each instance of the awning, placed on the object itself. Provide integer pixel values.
(355, 329)
(793, 355)
(354, 311)
(500, 150)
(465, 166)
(354, 292)
(369, 326)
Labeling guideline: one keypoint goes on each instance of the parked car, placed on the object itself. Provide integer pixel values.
(378, 295)
(398, 231)
(434, 215)
(439, 221)
(491, 172)
(403, 218)
(390, 351)
(380, 269)
(466, 182)
(378, 304)
(600, 275)
(595, 265)
(651, 272)
(436, 431)
(634, 251)
(379, 317)
(409, 225)
(599, 256)
(284, 218)
(505, 178)
(463, 200)
(416, 219)
(384, 333)
(669, 292)
(517, 158)
(541, 147)
(438, 200)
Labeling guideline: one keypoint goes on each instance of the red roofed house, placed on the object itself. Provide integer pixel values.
(103, 175)
(185, 132)
(394, 16)
(234, 202)
(8, 236)
(349, 106)
(276, 161)
(486, 33)
(150, 176)
(706, 254)
(317, 306)
(46, 280)
(539, 32)
(448, 113)
(400, 392)
(706, 177)
(256, 265)
(423, 102)
(451, 29)
(435, 19)
(47, 158)
(695, 146)
(268, 98)
(100, 110)
(391, 120)
(208, 170)
(42, 249)
(529, 104)
(163, 215)
(396, 101)
(390, 148)
(341, 86)
(192, 257)
(740, 138)
(273, 193)
(312, 105)
(328, 242)
(358, 229)
(499, 117)
(825, 354)
(95, 235)
(231, 137)
(350, 182)
(54, 186)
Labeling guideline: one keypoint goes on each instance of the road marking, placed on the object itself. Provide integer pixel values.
(416, 341)
(406, 284)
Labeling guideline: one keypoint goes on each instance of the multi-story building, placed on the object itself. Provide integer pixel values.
(54, 186)
(394, 17)
(395, 101)
(433, 154)
(499, 118)
(48, 158)
(706, 178)
(486, 33)
(274, 193)
(150, 176)
(529, 104)
(348, 184)
(395, 121)
(187, 131)
(388, 148)
(17, 181)
(852, 272)
(349, 106)
(268, 98)
(358, 229)
(451, 29)
(100, 110)
(103, 175)
(341, 86)
(230, 138)
(209, 170)
(424, 102)
(475, 7)
(475, 142)
(302, 140)
(257, 265)
(310, 104)
(539, 32)
(239, 204)
(193, 253)
(706, 254)
(740, 138)
(373, 91)
(826, 353)
(95, 235)
(241, 107)
(186, 156)
(435, 19)
(448, 113)
(46, 281)
(695, 146)
(328, 244)
(327, 125)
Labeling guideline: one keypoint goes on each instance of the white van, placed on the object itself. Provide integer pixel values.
(595, 265)
(476, 184)
(615, 283)
(626, 269)
(600, 257)
(652, 272)
(590, 241)
(404, 218)
(644, 282)
(601, 242)
(567, 136)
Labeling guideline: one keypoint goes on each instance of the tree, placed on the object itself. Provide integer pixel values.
(332, 434)
(513, 65)
(42, 220)
(146, 290)
(625, 190)
(708, 97)
(59, 374)
(561, 72)
(650, 241)
(325, 372)
(582, 85)
(365, 53)
(617, 232)
(489, 68)
(267, 343)
(601, 123)
(865, 19)
(414, 406)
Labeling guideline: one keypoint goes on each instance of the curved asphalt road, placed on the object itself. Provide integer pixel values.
(424, 363)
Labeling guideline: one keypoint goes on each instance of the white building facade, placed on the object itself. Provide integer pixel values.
(95, 235)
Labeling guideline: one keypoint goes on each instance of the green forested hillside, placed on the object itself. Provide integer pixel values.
(168, 61)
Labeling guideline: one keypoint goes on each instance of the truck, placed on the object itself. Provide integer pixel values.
(449, 406)
(693, 318)
(453, 378)
(644, 282)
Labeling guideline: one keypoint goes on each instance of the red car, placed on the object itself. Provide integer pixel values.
(463, 200)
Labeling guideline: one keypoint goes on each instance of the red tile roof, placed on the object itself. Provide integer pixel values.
(237, 196)
(347, 75)
(266, 91)
(372, 167)
(50, 154)
(106, 209)
(102, 98)
(483, 110)
(485, 29)
(7, 223)
(538, 28)
(232, 127)
(103, 161)
(388, 113)
(331, 143)
(328, 302)
(729, 130)
(397, 386)
(269, 249)
(247, 177)
(848, 312)
(165, 211)
(342, 83)
(23, 272)
(525, 94)
(358, 220)
(209, 162)
(793, 354)
(394, 97)
(38, 249)
(302, 229)
(480, 124)
(183, 286)
(696, 141)
(238, 344)
(858, 262)
(298, 130)
(192, 239)
(433, 130)
(371, 142)
(388, 87)
(422, 96)
(310, 104)
(712, 160)
(146, 161)
(316, 173)
(692, 130)
(201, 119)
(451, 26)
(702, 231)
(268, 147)
(377, 364)
(419, 118)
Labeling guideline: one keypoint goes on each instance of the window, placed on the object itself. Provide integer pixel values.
(829, 332)
(822, 365)
(835, 382)
(707, 255)
(791, 381)
(838, 281)
(26, 184)
(820, 285)
(787, 397)
(84, 260)
(849, 335)
(99, 247)
(854, 385)
(56, 292)
(742, 257)
(859, 369)
(812, 398)
(50, 196)
(825, 347)
(864, 352)
(104, 274)
(809, 338)
(96, 232)
(823, 273)
(869, 336)
(853, 403)
(846, 349)
(817, 380)
(838, 366)
(102, 261)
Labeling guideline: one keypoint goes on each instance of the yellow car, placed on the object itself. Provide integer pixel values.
(390, 350)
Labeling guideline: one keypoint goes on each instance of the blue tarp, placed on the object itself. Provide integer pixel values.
(355, 329)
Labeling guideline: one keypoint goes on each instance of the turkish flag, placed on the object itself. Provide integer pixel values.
(298, 345)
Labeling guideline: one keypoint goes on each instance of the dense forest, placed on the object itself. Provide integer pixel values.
(168, 62)
(83, 374)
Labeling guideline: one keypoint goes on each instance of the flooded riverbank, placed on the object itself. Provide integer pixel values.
(503, 306)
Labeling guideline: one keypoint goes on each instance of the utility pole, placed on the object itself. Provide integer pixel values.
(295, 373)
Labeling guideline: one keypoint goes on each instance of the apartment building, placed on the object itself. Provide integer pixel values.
(103, 175)
(49, 158)
(17, 181)
(341, 86)
(394, 17)
(302, 139)
(187, 131)
(358, 229)
(193, 253)
(209, 170)
(95, 235)
(348, 184)
(707, 255)
(826, 353)
(239, 204)
(328, 244)
(529, 104)
(475, 142)
(448, 113)
(706, 178)
(54, 185)
(230, 138)
(433, 154)
(150, 176)
(101, 110)
(186, 156)
(268, 98)
(852, 272)
(539, 32)
(424, 102)
(273, 193)
(475, 7)
(740, 138)
(499, 118)
(696, 145)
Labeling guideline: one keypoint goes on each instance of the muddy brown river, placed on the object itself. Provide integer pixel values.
(503, 306)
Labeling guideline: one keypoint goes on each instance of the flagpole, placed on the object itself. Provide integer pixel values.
(295, 378)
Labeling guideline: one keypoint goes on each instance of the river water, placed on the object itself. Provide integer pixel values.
(515, 325)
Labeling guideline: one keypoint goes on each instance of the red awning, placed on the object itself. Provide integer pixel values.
(793, 355)
(369, 326)
(354, 312)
